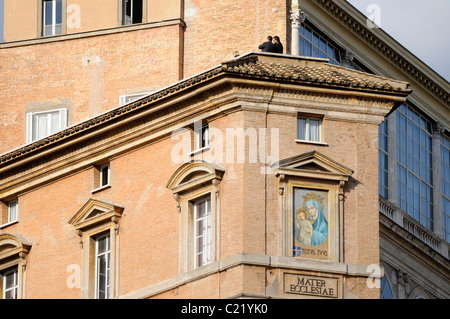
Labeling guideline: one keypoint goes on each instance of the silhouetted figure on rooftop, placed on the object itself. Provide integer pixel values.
(267, 46)
(278, 46)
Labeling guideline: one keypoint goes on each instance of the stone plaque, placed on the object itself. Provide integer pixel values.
(311, 285)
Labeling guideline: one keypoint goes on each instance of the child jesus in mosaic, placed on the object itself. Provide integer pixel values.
(305, 227)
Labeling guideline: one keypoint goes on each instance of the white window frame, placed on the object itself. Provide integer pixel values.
(129, 21)
(201, 137)
(128, 98)
(31, 124)
(307, 129)
(206, 249)
(108, 177)
(54, 24)
(15, 288)
(106, 253)
(13, 205)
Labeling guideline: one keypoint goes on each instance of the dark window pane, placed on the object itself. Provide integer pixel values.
(48, 12)
(58, 11)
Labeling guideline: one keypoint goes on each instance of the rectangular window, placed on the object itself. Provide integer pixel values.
(132, 11)
(104, 175)
(43, 124)
(202, 232)
(125, 99)
(201, 136)
(383, 159)
(52, 17)
(102, 266)
(445, 185)
(9, 284)
(13, 209)
(414, 158)
(309, 129)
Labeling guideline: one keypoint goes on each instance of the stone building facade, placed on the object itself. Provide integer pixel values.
(142, 157)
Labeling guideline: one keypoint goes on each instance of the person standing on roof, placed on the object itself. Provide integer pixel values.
(278, 46)
(267, 46)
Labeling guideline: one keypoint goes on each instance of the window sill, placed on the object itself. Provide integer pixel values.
(200, 150)
(97, 190)
(311, 142)
(8, 224)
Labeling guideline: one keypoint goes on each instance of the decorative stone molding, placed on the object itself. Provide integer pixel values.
(322, 180)
(189, 183)
(14, 250)
(438, 130)
(413, 232)
(347, 58)
(297, 17)
(378, 44)
(94, 218)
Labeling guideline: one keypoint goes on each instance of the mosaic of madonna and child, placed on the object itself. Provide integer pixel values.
(310, 223)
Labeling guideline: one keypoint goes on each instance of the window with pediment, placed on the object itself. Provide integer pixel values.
(97, 223)
(311, 194)
(14, 250)
(196, 189)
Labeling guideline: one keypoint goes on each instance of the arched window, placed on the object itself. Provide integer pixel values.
(195, 187)
(14, 250)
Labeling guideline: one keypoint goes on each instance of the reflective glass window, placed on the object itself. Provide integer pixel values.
(385, 289)
(383, 159)
(414, 155)
(445, 185)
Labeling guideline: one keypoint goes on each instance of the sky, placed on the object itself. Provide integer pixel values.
(421, 26)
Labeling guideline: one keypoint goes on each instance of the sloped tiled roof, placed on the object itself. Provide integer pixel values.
(274, 67)
(312, 71)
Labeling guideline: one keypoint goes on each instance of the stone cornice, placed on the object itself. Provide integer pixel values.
(247, 259)
(394, 219)
(388, 47)
(79, 35)
(156, 116)
(311, 74)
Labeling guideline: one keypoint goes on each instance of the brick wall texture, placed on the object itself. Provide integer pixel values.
(89, 74)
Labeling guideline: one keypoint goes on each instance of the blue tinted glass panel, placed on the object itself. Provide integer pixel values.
(48, 12)
(58, 11)
(414, 165)
(445, 185)
(323, 45)
(308, 33)
(383, 159)
(385, 289)
(311, 44)
(315, 52)
(307, 48)
(315, 39)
